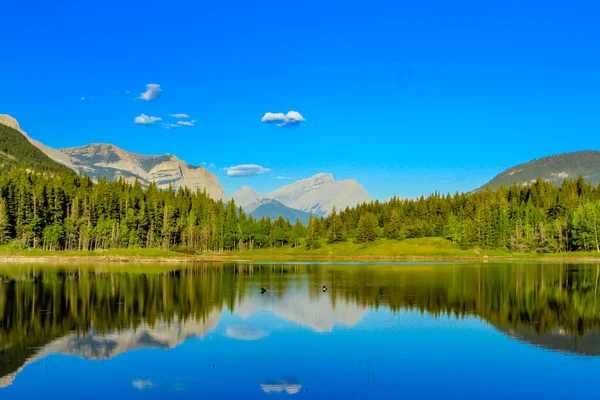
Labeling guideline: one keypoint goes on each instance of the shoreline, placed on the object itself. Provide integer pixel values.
(254, 258)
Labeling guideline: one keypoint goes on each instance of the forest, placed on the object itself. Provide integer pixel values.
(60, 210)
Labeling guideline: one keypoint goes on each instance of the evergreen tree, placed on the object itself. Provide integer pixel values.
(4, 223)
(367, 228)
(336, 232)
(312, 233)
(393, 229)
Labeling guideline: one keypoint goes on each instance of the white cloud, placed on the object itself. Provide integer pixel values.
(170, 126)
(246, 170)
(83, 98)
(281, 119)
(244, 333)
(204, 163)
(185, 123)
(128, 92)
(281, 386)
(146, 120)
(212, 165)
(141, 384)
(284, 177)
(179, 115)
(152, 92)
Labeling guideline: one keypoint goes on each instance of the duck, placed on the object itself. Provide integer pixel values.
(324, 288)
(262, 290)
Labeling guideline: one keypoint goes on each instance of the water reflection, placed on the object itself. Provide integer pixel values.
(100, 313)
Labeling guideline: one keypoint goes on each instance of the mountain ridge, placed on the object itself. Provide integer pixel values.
(554, 169)
(318, 195)
(271, 208)
(17, 151)
(107, 160)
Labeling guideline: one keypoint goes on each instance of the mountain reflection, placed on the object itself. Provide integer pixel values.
(98, 313)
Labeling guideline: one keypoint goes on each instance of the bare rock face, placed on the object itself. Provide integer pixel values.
(245, 197)
(317, 195)
(320, 193)
(105, 160)
(100, 160)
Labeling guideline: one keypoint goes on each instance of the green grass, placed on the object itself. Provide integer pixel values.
(379, 248)
(11, 250)
(419, 247)
(382, 248)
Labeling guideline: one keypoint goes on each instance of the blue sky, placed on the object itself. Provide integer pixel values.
(406, 97)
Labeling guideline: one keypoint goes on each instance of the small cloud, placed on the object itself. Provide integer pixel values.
(152, 92)
(246, 170)
(128, 92)
(82, 98)
(290, 387)
(204, 163)
(284, 177)
(179, 115)
(141, 384)
(281, 119)
(212, 165)
(170, 126)
(146, 120)
(244, 333)
(185, 123)
(89, 98)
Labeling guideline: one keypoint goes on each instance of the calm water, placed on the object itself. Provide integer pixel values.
(465, 331)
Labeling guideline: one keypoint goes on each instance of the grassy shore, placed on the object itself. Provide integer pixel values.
(422, 249)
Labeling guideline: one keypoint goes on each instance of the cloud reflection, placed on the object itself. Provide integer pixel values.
(289, 387)
(244, 333)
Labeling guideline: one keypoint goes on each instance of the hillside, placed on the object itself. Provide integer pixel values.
(554, 169)
(18, 152)
(106, 160)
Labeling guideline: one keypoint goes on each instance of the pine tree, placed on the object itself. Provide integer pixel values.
(4, 224)
(367, 228)
(336, 231)
(312, 235)
(393, 229)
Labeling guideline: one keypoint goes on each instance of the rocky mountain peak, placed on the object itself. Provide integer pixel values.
(9, 121)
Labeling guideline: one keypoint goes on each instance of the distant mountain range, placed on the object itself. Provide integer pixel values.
(554, 169)
(106, 160)
(270, 208)
(316, 195)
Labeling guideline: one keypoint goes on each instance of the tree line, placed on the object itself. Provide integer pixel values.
(64, 211)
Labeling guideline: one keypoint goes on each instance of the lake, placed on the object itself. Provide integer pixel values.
(320, 331)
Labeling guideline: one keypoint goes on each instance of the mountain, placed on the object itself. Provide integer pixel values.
(17, 151)
(245, 197)
(97, 345)
(557, 339)
(553, 169)
(48, 151)
(273, 209)
(106, 160)
(315, 195)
